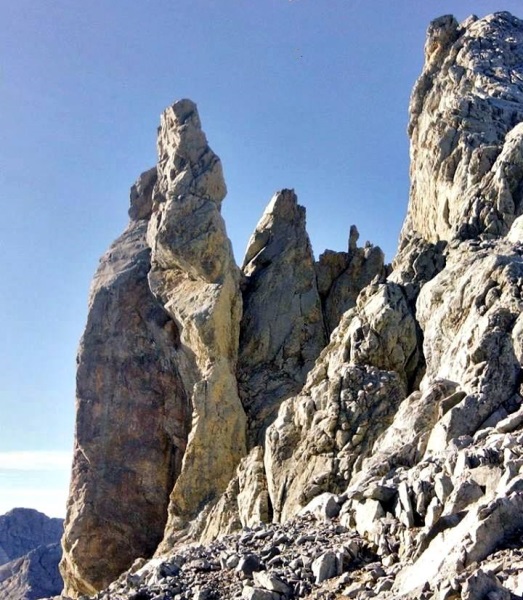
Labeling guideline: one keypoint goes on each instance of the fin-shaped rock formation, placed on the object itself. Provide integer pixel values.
(212, 398)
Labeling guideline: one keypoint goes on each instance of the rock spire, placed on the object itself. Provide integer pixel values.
(388, 398)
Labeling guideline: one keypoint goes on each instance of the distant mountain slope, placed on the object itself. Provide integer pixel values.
(23, 529)
(32, 576)
(29, 555)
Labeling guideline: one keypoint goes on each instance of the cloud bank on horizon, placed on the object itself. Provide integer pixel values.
(35, 479)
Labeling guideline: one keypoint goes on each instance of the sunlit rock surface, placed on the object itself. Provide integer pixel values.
(385, 398)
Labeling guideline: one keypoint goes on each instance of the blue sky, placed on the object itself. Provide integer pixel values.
(309, 94)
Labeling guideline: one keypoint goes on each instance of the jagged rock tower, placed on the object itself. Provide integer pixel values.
(210, 398)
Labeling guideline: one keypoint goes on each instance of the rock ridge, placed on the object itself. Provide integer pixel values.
(387, 398)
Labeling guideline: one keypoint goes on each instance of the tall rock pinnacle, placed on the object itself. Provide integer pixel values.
(160, 345)
(195, 277)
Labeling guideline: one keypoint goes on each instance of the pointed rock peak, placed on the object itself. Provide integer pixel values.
(186, 163)
(283, 204)
(281, 225)
(442, 32)
(354, 236)
(282, 330)
(183, 110)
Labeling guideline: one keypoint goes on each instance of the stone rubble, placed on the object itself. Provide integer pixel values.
(268, 561)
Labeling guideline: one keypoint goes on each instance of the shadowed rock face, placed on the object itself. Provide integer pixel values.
(128, 383)
(411, 412)
(156, 367)
(282, 330)
(342, 275)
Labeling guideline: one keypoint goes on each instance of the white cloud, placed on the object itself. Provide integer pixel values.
(35, 460)
(35, 479)
(51, 502)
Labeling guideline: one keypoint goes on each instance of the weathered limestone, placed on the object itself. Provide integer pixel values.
(321, 436)
(282, 330)
(466, 150)
(342, 275)
(254, 505)
(160, 344)
(382, 331)
(468, 313)
(408, 423)
(194, 274)
(127, 383)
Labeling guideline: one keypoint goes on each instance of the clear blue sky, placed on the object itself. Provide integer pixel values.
(309, 94)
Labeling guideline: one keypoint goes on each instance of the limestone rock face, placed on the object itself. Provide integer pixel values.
(282, 330)
(342, 275)
(387, 398)
(423, 471)
(321, 436)
(473, 342)
(128, 382)
(156, 367)
(466, 151)
(194, 275)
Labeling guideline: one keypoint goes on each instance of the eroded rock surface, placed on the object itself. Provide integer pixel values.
(466, 146)
(156, 367)
(128, 382)
(406, 427)
(342, 275)
(194, 274)
(282, 329)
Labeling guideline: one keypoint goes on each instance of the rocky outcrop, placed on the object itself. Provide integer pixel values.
(156, 367)
(194, 275)
(466, 150)
(342, 275)
(128, 382)
(282, 330)
(32, 576)
(23, 529)
(321, 436)
(405, 426)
